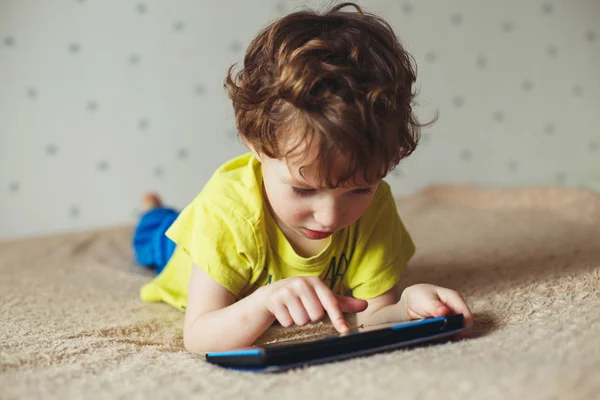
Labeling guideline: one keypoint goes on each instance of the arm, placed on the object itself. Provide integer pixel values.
(380, 309)
(214, 321)
(417, 301)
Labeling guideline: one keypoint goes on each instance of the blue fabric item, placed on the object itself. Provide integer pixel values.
(150, 245)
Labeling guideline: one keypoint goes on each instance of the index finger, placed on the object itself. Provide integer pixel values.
(331, 304)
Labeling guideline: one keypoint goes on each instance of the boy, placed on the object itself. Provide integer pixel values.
(303, 225)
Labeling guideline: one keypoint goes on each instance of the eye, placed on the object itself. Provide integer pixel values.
(364, 191)
(302, 191)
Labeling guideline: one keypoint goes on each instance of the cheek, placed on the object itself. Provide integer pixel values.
(298, 211)
(297, 216)
(289, 209)
(356, 209)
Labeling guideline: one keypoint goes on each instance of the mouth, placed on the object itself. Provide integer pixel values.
(316, 234)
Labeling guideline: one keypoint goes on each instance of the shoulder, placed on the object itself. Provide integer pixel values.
(383, 206)
(235, 189)
(383, 247)
(381, 226)
(228, 212)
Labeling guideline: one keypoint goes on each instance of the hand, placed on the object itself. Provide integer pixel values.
(303, 299)
(425, 301)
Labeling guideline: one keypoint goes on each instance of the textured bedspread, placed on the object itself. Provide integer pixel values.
(527, 261)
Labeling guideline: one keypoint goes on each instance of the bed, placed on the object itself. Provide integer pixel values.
(527, 260)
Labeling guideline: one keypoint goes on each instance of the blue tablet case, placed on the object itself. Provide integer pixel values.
(282, 356)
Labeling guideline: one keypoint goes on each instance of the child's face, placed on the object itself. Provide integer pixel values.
(304, 210)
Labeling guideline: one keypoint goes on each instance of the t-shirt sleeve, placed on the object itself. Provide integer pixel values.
(383, 249)
(219, 241)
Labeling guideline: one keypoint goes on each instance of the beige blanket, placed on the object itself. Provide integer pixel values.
(526, 260)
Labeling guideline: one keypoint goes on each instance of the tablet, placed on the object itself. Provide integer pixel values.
(326, 348)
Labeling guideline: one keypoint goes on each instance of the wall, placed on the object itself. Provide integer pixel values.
(102, 101)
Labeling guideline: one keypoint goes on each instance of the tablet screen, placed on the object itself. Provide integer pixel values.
(330, 335)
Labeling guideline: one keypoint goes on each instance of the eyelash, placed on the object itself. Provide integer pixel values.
(303, 192)
(363, 191)
(308, 192)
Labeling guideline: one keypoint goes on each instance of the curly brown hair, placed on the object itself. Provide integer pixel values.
(340, 78)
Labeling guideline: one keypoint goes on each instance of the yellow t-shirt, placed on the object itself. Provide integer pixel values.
(229, 231)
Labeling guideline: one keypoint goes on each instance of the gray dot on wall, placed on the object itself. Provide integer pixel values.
(141, 8)
(547, 8)
(513, 165)
(456, 19)
(232, 134)
(74, 211)
(552, 51)
(527, 85)
(407, 7)
(235, 47)
(199, 90)
(508, 27)
(135, 213)
(397, 173)
(280, 7)
(134, 58)
(178, 26)
(481, 61)
(32, 93)
(74, 48)
(466, 154)
(158, 171)
(430, 57)
(9, 41)
(577, 90)
(560, 177)
(51, 149)
(593, 146)
(143, 124)
(498, 116)
(102, 166)
(182, 153)
(425, 139)
(92, 105)
(458, 101)
(14, 186)
(590, 36)
(549, 129)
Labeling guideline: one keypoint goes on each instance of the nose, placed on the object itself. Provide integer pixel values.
(328, 214)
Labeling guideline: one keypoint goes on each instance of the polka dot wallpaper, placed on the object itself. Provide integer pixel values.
(103, 100)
